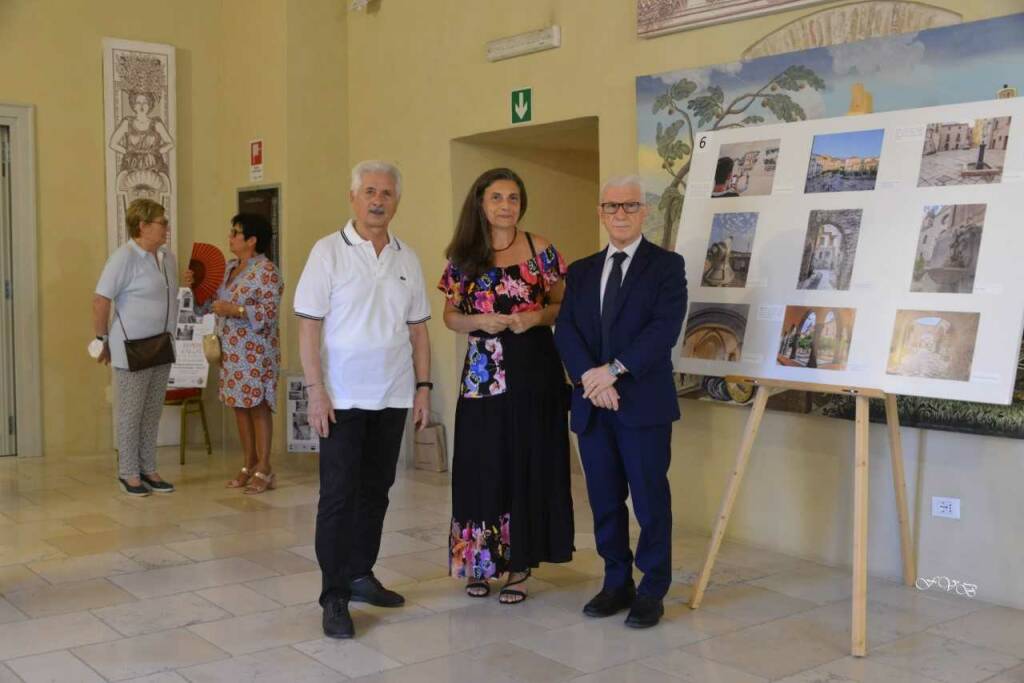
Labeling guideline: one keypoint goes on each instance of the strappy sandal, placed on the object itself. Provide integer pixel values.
(267, 479)
(477, 585)
(517, 596)
(240, 481)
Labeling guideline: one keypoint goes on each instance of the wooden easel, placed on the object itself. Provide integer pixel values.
(768, 387)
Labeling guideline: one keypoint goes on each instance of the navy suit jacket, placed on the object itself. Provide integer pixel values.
(649, 315)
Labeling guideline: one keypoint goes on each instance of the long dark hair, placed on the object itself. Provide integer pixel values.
(470, 249)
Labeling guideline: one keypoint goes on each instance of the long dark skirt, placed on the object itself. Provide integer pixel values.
(511, 500)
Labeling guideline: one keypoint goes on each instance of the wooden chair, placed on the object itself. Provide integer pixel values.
(191, 402)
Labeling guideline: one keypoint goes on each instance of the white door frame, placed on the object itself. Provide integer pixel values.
(27, 372)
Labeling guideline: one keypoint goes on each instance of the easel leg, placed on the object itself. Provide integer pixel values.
(750, 431)
(859, 619)
(892, 417)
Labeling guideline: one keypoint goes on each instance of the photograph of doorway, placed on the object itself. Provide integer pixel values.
(933, 344)
(816, 337)
(829, 249)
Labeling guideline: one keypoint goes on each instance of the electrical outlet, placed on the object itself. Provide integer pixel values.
(945, 507)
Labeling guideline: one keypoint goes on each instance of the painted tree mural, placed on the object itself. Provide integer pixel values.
(707, 110)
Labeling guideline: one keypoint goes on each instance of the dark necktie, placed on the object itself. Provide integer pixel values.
(611, 295)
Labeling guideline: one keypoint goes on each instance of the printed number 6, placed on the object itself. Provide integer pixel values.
(703, 141)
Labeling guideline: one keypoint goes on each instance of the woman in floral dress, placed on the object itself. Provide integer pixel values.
(247, 305)
(511, 503)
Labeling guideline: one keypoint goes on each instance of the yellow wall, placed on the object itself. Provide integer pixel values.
(324, 88)
(418, 78)
(52, 58)
(246, 68)
(283, 81)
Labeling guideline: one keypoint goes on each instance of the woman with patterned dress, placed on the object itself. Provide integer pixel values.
(511, 503)
(247, 305)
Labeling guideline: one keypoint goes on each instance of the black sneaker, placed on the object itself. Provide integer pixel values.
(369, 589)
(139, 490)
(156, 486)
(337, 621)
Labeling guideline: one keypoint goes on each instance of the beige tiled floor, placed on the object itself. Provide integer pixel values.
(209, 585)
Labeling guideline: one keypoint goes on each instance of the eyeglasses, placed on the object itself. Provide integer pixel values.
(162, 221)
(613, 207)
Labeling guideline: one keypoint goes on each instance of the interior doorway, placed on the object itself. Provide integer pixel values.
(8, 406)
(21, 430)
(560, 164)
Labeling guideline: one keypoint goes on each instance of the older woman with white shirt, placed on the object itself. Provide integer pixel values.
(140, 279)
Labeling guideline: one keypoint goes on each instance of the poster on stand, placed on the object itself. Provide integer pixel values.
(190, 368)
(301, 437)
(848, 269)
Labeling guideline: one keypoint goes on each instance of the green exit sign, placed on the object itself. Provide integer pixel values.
(522, 105)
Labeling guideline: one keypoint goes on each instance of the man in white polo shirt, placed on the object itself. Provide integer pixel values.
(365, 354)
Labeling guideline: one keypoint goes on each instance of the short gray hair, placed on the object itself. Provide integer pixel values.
(374, 166)
(623, 181)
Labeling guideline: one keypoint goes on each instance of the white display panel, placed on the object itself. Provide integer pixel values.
(934, 357)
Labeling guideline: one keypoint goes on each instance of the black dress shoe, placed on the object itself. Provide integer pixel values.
(369, 589)
(337, 621)
(645, 612)
(610, 601)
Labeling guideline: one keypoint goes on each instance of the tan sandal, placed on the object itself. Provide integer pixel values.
(240, 481)
(267, 479)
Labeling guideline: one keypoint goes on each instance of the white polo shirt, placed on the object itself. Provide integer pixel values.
(366, 303)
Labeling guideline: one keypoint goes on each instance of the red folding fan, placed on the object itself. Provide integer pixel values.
(207, 266)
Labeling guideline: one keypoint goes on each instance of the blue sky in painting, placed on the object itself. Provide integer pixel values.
(860, 143)
(962, 63)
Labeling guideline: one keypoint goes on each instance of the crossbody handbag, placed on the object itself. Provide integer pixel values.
(151, 351)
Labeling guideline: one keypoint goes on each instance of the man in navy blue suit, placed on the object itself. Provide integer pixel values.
(620, 319)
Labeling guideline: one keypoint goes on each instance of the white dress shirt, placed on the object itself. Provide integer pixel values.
(629, 250)
(366, 302)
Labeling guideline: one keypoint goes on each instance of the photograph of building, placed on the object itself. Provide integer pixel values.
(964, 152)
(729, 249)
(947, 249)
(746, 169)
(933, 344)
(816, 337)
(829, 249)
(844, 162)
(715, 331)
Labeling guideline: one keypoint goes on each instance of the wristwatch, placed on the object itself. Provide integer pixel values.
(241, 311)
(616, 368)
(421, 385)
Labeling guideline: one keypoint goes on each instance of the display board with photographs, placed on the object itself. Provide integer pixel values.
(301, 437)
(884, 255)
(190, 368)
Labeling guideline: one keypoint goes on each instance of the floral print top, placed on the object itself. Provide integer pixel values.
(250, 346)
(507, 289)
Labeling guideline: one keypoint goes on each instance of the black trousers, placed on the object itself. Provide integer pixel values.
(357, 468)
